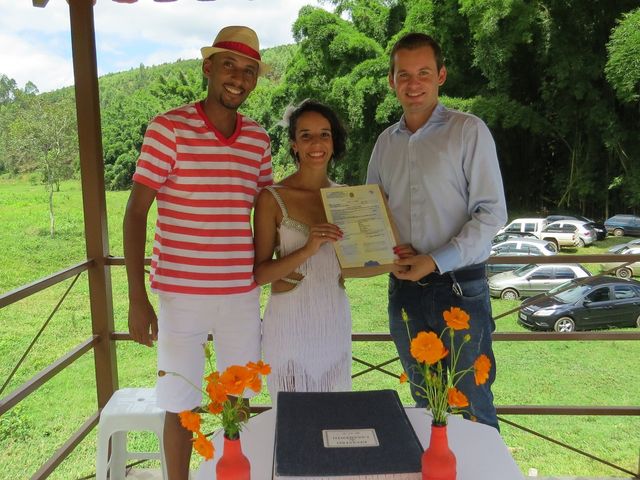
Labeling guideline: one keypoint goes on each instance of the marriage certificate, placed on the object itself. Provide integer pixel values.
(369, 234)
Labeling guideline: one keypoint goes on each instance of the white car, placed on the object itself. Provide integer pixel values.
(530, 225)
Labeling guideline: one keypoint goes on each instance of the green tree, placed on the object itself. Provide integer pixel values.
(179, 87)
(42, 138)
(130, 100)
(124, 122)
(534, 71)
(344, 67)
(623, 65)
(8, 89)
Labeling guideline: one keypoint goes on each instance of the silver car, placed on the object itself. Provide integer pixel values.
(626, 271)
(524, 246)
(623, 247)
(533, 279)
(585, 234)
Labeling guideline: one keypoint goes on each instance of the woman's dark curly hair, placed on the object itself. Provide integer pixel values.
(338, 132)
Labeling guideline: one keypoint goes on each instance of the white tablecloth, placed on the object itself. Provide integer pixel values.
(479, 449)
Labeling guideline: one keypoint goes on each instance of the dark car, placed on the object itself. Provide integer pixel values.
(622, 224)
(600, 229)
(584, 304)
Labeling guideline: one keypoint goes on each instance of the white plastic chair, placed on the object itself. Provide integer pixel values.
(129, 409)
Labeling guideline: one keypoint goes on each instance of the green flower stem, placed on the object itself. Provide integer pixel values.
(176, 374)
(458, 375)
(435, 387)
(231, 418)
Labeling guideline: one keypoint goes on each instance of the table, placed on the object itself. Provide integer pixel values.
(479, 449)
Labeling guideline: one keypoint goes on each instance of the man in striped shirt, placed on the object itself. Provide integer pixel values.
(204, 165)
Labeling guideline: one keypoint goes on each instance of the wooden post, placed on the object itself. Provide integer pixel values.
(93, 195)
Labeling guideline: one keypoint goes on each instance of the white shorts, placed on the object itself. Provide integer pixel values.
(184, 321)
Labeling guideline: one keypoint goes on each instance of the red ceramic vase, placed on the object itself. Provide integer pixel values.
(233, 465)
(438, 461)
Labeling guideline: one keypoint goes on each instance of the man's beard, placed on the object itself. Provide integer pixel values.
(230, 105)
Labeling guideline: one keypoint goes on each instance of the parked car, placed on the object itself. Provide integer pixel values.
(584, 234)
(622, 247)
(584, 304)
(559, 235)
(517, 247)
(501, 237)
(626, 271)
(600, 229)
(621, 224)
(527, 246)
(495, 268)
(533, 279)
(531, 225)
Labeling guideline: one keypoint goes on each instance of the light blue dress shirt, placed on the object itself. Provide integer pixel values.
(444, 186)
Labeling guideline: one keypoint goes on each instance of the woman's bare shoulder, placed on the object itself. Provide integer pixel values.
(265, 200)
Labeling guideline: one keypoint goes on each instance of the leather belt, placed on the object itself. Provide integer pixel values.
(465, 274)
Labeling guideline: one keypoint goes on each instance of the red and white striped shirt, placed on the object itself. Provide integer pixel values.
(206, 186)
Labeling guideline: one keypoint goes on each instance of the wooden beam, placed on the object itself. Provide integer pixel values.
(85, 72)
(44, 375)
(63, 452)
(571, 410)
(28, 290)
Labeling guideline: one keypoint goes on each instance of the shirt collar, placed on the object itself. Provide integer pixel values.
(437, 116)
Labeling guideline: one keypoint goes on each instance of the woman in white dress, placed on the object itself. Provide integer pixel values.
(307, 322)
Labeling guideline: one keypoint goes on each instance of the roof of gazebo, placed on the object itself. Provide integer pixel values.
(43, 3)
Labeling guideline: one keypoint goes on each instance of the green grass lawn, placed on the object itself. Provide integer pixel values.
(556, 373)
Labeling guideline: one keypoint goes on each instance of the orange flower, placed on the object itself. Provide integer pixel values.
(254, 382)
(481, 368)
(235, 379)
(216, 391)
(260, 367)
(190, 420)
(428, 348)
(403, 377)
(456, 318)
(203, 446)
(215, 407)
(220, 388)
(456, 398)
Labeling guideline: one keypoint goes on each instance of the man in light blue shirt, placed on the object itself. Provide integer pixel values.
(440, 173)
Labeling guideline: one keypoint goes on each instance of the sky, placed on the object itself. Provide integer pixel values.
(36, 42)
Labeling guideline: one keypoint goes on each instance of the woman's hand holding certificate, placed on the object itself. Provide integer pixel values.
(322, 233)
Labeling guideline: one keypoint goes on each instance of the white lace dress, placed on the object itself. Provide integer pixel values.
(307, 331)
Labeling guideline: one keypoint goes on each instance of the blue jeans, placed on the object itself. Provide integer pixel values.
(424, 306)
